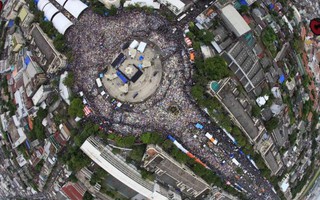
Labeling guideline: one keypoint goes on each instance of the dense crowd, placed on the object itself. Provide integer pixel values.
(95, 41)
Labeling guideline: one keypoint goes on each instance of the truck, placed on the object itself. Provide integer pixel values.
(199, 126)
(235, 162)
(98, 81)
(210, 137)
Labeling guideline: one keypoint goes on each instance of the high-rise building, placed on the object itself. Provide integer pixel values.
(173, 173)
(127, 174)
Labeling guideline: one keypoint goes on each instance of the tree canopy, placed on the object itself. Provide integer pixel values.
(150, 138)
(214, 68)
(268, 39)
(126, 141)
(68, 81)
(76, 108)
(38, 131)
(272, 124)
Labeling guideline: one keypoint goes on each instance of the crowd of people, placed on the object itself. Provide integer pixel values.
(95, 40)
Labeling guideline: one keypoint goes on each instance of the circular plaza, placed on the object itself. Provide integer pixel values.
(135, 73)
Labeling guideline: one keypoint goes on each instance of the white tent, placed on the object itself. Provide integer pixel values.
(75, 7)
(42, 3)
(49, 11)
(261, 101)
(276, 92)
(61, 2)
(61, 23)
(134, 44)
(142, 47)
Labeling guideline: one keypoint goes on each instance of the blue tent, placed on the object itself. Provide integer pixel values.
(36, 1)
(27, 60)
(120, 75)
(199, 126)
(141, 58)
(281, 79)
(28, 145)
(101, 75)
(11, 23)
(140, 66)
(271, 6)
(243, 2)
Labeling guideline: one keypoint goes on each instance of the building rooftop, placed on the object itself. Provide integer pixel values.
(234, 20)
(73, 191)
(122, 171)
(175, 173)
(235, 107)
(271, 161)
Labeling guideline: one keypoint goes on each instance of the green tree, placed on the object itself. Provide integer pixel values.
(76, 108)
(147, 175)
(179, 156)
(255, 112)
(167, 145)
(17, 20)
(113, 10)
(215, 68)
(272, 124)
(137, 153)
(268, 39)
(60, 43)
(126, 141)
(244, 9)
(150, 138)
(197, 92)
(87, 196)
(69, 80)
(206, 37)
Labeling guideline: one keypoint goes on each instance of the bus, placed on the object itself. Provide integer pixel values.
(181, 17)
(98, 81)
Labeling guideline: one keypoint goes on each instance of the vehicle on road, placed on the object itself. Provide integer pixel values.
(210, 137)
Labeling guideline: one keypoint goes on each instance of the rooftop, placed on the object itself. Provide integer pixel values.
(234, 20)
(235, 107)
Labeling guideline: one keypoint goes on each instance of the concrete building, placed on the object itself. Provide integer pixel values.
(238, 107)
(65, 92)
(125, 173)
(11, 8)
(234, 20)
(17, 41)
(219, 194)
(243, 61)
(176, 6)
(109, 3)
(173, 173)
(141, 3)
(45, 53)
(285, 187)
(4, 66)
(74, 191)
(283, 52)
(16, 134)
(41, 94)
(26, 17)
(33, 76)
(65, 131)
